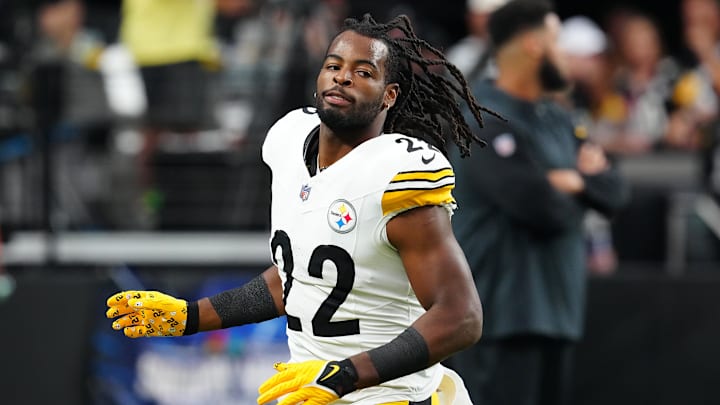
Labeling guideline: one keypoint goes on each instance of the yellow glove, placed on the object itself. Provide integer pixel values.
(314, 382)
(147, 313)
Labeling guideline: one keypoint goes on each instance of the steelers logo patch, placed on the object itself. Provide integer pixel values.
(341, 216)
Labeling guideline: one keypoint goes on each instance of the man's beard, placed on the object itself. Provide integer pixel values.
(551, 78)
(357, 117)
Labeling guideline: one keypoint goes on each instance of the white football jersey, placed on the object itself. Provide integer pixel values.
(345, 288)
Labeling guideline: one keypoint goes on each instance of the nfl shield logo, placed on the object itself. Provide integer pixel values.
(304, 192)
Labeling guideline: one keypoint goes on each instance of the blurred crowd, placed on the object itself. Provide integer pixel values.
(149, 88)
(643, 104)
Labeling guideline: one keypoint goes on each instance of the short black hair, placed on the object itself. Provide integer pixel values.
(516, 17)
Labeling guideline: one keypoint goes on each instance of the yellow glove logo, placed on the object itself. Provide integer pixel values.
(314, 382)
(147, 313)
(334, 368)
(299, 382)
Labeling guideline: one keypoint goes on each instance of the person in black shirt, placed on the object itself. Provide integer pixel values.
(520, 222)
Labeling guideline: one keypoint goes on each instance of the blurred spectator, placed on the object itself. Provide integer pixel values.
(598, 112)
(72, 117)
(643, 77)
(524, 199)
(60, 21)
(701, 25)
(172, 43)
(701, 28)
(598, 107)
(659, 96)
(159, 72)
(470, 54)
(695, 94)
(668, 109)
(318, 19)
(65, 39)
(255, 39)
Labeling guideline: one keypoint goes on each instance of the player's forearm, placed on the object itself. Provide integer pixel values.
(417, 348)
(454, 318)
(251, 303)
(208, 318)
(450, 328)
(404, 355)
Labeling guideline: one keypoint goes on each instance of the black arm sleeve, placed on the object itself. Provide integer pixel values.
(193, 319)
(250, 303)
(403, 355)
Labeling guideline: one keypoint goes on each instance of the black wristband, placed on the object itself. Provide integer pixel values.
(404, 355)
(250, 303)
(339, 376)
(193, 318)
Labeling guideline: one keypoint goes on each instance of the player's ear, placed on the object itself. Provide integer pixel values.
(392, 91)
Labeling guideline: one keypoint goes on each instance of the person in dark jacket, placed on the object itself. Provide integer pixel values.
(522, 203)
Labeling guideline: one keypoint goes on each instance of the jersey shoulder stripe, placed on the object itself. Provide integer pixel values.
(419, 188)
(402, 200)
(424, 175)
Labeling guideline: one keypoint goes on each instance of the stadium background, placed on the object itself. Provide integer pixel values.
(652, 327)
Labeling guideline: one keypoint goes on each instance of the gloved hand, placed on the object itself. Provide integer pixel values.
(314, 382)
(147, 313)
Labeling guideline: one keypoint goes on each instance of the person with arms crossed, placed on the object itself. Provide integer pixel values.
(374, 285)
(521, 220)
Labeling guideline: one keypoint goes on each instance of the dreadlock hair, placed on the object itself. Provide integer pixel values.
(426, 106)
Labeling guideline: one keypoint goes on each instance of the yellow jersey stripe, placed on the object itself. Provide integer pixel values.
(433, 175)
(400, 200)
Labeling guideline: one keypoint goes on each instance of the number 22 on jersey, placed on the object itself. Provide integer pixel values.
(321, 322)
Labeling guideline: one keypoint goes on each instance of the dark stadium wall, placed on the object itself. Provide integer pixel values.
(45, 339)
(649, 340)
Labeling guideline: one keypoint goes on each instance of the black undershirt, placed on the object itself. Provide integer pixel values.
(311, 150)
